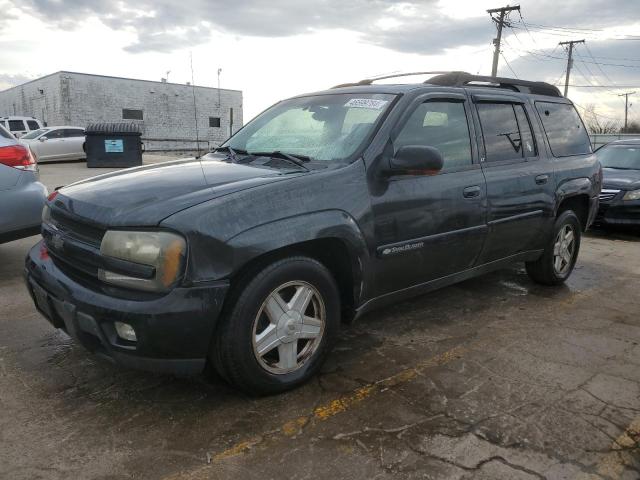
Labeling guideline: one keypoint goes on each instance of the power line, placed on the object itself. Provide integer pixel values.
(585, 61)
(573, 29)
(594, 113)
(508, 65)
(526, 28)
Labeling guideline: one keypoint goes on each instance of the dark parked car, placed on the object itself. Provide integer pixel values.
(22, 196)
(620, 196)
(323, 207)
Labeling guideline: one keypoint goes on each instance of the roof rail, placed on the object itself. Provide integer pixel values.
(369, 81)
(463, 79)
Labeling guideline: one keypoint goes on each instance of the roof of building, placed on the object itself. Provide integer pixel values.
(66, 72)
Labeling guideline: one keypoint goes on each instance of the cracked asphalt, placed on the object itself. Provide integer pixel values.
(494, 378)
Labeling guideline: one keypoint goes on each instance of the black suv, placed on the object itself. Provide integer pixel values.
(321, 208)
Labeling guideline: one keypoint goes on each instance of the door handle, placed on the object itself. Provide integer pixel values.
(471, 192)
(542, 179)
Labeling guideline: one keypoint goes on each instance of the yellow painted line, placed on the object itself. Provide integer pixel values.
(326, 411)
(623, 453)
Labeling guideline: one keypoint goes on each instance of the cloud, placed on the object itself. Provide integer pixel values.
(9, 80)
(413, 26)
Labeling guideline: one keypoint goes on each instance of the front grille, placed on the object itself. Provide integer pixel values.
(607, 195)
(74, 245)
(73, 227)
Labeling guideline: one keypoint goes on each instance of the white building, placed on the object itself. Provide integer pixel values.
(166, 112)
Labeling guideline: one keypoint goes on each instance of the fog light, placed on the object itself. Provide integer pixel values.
(126, 331)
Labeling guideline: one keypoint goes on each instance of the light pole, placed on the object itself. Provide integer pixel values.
(219, 72)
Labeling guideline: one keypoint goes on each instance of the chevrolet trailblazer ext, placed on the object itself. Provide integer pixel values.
(324, 206)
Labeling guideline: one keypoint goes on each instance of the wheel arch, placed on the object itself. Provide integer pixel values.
(331, 237)
(575, 195)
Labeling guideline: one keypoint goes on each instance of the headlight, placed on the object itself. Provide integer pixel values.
(46, 214)
(164, 251)
(632, 195)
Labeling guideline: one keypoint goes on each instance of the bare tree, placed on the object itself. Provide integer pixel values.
(598, 124)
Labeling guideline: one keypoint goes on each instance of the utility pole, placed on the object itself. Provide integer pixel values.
(626, 108)
(500, 21)
(219, 72)
(571, 43)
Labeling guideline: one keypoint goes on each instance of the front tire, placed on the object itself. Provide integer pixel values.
(279, 327)
(560, 255)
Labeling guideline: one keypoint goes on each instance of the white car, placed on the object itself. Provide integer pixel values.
(56, 143)
(19, 126)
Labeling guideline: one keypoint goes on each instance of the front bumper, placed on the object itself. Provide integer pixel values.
(173, 331)
(619, 213)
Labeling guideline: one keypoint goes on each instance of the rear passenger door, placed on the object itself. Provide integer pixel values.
(519, 176)
(428, 227)
(74, 142)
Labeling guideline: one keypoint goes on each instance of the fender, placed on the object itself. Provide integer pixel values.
(573, 187)
(324, 224)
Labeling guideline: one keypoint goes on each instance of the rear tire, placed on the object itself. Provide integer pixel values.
(556, 263)
(279, 327)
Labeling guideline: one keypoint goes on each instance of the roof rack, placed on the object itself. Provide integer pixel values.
(463, 79)
(369, 81)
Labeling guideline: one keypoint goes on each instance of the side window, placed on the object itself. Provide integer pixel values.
(16, 125)
(502, 137)
(53, 134)
(564, 129)
(526, 136)
(33, 125)
(73, 132)
(443, 125)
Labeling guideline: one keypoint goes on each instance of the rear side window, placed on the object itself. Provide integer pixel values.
(16, 125)
(506, 131)
(443, 125)
(73, 132)
(564, 129)
(55, 134)
(33, 125)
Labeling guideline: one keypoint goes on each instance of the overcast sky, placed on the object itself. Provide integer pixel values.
(278, 48)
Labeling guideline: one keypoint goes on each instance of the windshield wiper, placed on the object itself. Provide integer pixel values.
(298, 160)
(233, 152)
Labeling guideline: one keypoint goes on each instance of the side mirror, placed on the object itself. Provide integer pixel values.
(43, 139)
(416, 160)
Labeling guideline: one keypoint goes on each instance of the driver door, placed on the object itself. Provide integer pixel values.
(429, 227)
(53, 148)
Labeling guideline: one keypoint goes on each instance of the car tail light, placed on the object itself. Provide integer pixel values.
(17, 156)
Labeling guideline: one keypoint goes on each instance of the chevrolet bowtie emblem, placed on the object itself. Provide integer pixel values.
(57, 242)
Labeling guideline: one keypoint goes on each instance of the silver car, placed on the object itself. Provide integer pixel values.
(56, 143)
(22, 196)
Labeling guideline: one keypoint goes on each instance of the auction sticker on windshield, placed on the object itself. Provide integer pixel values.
(366, 103)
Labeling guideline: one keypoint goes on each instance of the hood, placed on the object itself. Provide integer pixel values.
(621, 179)
(144, 196)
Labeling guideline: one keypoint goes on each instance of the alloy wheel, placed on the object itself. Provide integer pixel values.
(288, 328)
(563, 250)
